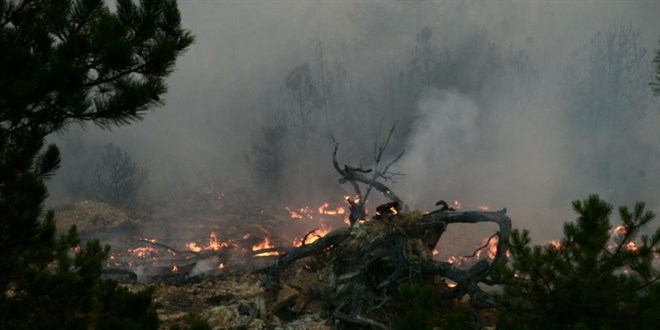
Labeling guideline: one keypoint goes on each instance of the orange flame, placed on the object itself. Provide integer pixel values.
(312, 237)
(175, 269)
(265, 244)
(214, 244)
(143, 251)
(192, 246)
(323, 209)
(456, 260)
(293, 214)
(355, 200)
(492, 248)
(347, 221)
(555, 244)
(619, 230)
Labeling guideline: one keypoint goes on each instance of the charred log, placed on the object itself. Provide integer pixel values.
(370, 260)
(271, 281)
(443, 218)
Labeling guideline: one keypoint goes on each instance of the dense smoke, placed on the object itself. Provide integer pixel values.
(488, 99)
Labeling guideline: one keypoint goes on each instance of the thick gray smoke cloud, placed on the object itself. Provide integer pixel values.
(518, 161)
(445, 140)
(491, 128)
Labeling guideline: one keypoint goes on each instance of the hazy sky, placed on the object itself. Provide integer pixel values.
(230, 81)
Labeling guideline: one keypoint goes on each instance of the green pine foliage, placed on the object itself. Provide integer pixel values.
(422, 306)
(595, 279)
(65, 289)
(127, 310)
(66, 61)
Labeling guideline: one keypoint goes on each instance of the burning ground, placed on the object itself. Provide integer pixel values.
(266, 266)
(201, 241)
(199, 261)
(205, 260)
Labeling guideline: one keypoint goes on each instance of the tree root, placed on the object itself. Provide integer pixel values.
(370, 260)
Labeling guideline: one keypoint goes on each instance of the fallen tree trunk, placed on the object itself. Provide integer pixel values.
(272, 282)
(357, 270)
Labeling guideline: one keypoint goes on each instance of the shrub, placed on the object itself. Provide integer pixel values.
(118, 179)
(423, 307)
(598, 277)
(64, 290)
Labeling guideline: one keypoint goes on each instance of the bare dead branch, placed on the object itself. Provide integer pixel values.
(386, 174)
(474, 254)
(345, 176)
(271, 282)
(357, 175)
(307, 235)
(437, 217)
(383, 173)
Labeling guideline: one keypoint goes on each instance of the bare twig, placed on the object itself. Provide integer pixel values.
(383, 173)
(308, 234)
(474, 254)
(357, 175)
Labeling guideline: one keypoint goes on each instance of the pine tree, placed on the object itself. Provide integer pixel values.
(595, 278)
(65, 61)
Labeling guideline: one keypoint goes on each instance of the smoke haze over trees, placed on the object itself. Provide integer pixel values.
(523, 105)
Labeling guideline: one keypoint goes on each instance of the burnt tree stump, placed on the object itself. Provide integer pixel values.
(356, 271)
